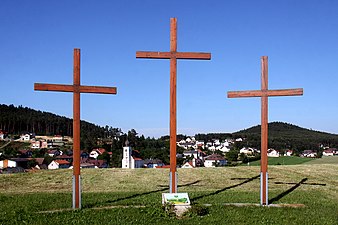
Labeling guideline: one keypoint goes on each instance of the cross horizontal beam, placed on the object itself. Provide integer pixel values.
(72, 88)
(169, 55)
(262, 93)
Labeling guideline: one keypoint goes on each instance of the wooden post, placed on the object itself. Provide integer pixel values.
(173, 112)
(264, 93)
(173, 55)
(76, 88)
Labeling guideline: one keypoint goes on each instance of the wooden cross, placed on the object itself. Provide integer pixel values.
(173, 55)
(76, 88)
(264, 93)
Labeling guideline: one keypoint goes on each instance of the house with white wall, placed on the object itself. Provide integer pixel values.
(7, 163)
(328, 152)
(96, 152)
(247, 151)
(214, 160)
(58, 164)
(25, 137)
(2, 135)
(273, 153)
(288, 152)
(188, 165)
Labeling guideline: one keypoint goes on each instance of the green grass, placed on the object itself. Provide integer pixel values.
(284, 160)
(111, 196)
(325, 160)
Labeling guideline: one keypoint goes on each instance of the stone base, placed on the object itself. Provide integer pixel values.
(181, 209)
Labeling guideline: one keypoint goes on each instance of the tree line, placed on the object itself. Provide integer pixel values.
(17, 120)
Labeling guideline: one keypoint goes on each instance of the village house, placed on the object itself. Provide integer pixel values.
(98, 163)
(58, 164)
(214, 160)
(196, 154)
(96, 152)
(35, 144)
(273, 153)
(248, 151)
(2, 135)
(22, 162)
(223, 148)
(40, 163)
(68, 158)
(86, 165)
(309, 153)
(25, 153)
(328, 152)
(7, 163)
(54, 153)
(199, 144)
(25, 137)
(288, 152)
(188, 165)
(152, 163)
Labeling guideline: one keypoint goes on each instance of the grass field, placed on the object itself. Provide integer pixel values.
(284, 160)
(117, 196)
(325, 160)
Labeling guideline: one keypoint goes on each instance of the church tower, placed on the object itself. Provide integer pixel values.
(127, 158)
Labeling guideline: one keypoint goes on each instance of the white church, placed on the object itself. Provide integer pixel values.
(129, 161)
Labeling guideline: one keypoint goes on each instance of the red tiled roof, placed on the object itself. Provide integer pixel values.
(214, 157)
(137, 158)
(61, 161)
(162, 167)
(99, 150)
(39, 160)
(97, 163)
(64, 157)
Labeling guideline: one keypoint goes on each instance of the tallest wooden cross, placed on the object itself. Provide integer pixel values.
(173, 55)
(264, 93)
(76, 88)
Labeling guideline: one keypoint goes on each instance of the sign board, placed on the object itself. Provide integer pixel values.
(175, 198)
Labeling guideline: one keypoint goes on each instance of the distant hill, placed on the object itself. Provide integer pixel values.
(18, 120)
(284, 135)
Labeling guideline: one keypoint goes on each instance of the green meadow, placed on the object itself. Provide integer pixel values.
(117, 196)
(285, 160)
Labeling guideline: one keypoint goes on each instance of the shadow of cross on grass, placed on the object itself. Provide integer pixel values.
(296, 185)
(135, 196)
(246, 180)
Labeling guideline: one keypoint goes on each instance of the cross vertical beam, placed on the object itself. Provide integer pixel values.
(173, 55)
(264, 93)
(173, 112)
(76, 88)
(264, 132)
(76, 130)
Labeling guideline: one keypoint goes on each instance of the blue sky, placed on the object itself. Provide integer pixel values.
(299, 37)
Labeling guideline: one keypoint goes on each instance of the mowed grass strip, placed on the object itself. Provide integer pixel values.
(284, 160)
(325, 160)
(23, 196)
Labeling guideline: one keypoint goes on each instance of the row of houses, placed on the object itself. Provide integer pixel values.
(38, 142)
(195, 158)
(216, 144)
(60, 160)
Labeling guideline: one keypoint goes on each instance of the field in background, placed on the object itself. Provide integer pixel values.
(284, 160)
(117, 196)
(325, 160)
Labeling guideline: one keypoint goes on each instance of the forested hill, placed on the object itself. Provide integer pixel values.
(16, 120)
(284, 135)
